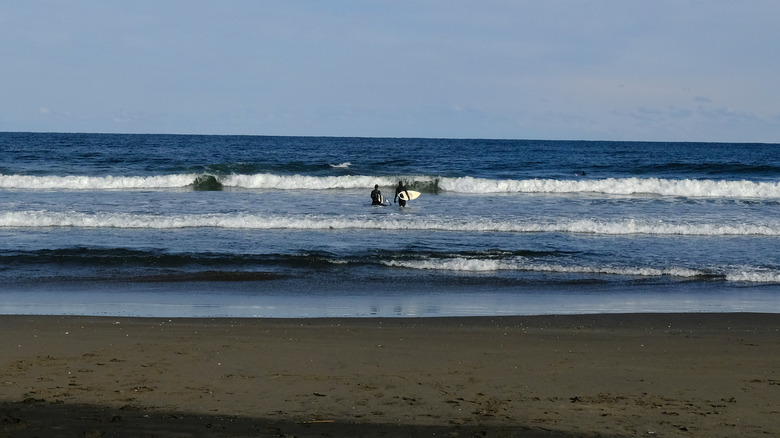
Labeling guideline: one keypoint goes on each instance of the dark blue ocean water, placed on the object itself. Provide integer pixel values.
(172, 225)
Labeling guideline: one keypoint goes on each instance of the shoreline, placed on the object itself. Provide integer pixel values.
(241, 300)
(614, 375)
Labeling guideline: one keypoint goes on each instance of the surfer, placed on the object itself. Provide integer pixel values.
(398, 190)
(376, 196)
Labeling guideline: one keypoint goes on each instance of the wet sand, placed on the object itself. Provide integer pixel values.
(697, 375)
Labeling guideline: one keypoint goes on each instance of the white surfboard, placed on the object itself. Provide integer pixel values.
(412, 195)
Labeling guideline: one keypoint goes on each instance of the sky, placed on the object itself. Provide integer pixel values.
(661, 70)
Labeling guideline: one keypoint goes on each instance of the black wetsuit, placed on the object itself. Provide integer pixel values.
(376, 197)
(398, 190)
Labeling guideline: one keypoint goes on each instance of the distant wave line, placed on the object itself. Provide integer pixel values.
(81, 182)
(43, 219)
(482, 265)
(465, 185)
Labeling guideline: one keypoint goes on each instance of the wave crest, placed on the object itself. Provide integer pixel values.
(618, 186)
(485, 265)
(428, 184)
(730, 274)
(37, 219)
(76, 182)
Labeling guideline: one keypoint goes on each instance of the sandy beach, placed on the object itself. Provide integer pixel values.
(713, 375)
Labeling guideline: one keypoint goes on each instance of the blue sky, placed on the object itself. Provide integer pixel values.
(666, 70)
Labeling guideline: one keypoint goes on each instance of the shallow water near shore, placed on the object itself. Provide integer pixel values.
(336, 297)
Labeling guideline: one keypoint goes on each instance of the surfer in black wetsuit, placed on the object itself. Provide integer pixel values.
(398, 190)
(376, 196)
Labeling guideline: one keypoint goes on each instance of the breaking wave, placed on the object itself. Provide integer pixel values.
(484, 265)
(618, 186)
(39, 219)
(747, 275)
(75, 182)
(430, 184)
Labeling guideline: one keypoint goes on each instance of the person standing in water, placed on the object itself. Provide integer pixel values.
(398, 190)
(376, 196)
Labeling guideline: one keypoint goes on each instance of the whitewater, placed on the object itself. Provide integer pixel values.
(611, 186)
(45, 219)
(177, 225)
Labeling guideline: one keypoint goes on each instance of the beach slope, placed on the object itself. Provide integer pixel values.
(620, 375)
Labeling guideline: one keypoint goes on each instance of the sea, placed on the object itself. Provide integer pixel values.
(268, 226)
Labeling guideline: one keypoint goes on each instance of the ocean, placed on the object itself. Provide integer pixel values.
(259, 226)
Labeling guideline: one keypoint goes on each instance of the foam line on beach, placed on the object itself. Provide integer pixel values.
(731, 274)
(486, 265)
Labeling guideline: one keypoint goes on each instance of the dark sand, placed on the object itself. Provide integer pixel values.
(657, 375)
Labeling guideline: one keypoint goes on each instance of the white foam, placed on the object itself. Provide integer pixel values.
(485, 265)
(300, 182)
(617, 186)
(655, 227)
(457, 264)
(42, 218)
(467, 185)
(745, 274)
(754, 276)
(75, 182)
